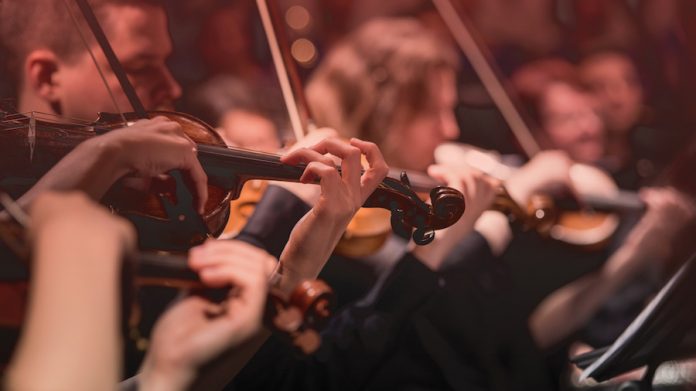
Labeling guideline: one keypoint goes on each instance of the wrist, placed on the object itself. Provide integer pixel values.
(152, 378)
(310, 245)
(110, 153)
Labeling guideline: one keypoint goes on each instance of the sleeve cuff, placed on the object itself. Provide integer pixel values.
(274, 217)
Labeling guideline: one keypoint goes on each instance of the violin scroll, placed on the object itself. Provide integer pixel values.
(301, 316)
(410, 216)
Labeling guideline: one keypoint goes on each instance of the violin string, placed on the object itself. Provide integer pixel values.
(94, 60)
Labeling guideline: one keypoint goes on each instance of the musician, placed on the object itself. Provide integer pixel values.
(54, 77)
(641, 138)
(72, 339)
(571, 117)
(392, 82)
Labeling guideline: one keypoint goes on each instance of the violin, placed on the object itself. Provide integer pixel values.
(369, 228)
(164, 215)
(296, 318)
(586, 222)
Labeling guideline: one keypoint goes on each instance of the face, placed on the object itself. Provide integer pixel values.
(412, 142)
(235, 130)
(571, 123)
(614, 81)
(141, 41)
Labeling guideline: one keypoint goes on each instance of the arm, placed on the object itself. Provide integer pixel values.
(548, 170)
(196, 334)
(570, 307)
(174, 361)
(71, 340)
(314, 238)
(145, 149)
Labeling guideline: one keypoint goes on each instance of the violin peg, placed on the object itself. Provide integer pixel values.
(423, 236)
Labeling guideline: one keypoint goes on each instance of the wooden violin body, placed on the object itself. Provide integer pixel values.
(164, 215)
(588, 223)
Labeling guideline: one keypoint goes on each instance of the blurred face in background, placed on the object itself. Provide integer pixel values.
(246, 129)
(613, 80)
(571, 124)
(413, 137)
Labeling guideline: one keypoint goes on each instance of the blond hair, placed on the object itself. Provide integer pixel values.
(376, 77)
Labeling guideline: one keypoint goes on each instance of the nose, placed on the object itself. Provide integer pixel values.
(168, 89)
(449, 125)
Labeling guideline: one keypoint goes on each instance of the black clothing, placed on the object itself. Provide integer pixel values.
(416, 329)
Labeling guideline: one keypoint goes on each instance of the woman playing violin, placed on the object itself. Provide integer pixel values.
(392, 82)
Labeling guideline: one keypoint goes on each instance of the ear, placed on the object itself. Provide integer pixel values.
(40, 68)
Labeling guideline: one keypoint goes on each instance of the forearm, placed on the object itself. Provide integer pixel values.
(570, 307)
(308, 249)
(93, 167)
(272, 222)
(71, 337)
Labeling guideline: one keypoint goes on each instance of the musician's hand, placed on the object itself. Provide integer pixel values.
(316, 235)
(152, 147)
(342, 194)
(548, 170)
(195, 331)
(147, 148)
(479, 191)
(308, 193)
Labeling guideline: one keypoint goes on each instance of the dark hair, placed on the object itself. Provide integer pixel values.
(680, 173)
(554, 71)
(223, 93)
(32, 24)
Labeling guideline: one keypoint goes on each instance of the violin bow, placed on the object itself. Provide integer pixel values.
(108, 51)
(286, 69)
(464, 34)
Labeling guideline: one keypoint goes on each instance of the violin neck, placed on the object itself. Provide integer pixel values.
(624, 201)
(230, 168)
(420, 183)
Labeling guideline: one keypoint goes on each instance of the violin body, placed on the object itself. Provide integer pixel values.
(164, 214)
(588, 228)
(31, 147)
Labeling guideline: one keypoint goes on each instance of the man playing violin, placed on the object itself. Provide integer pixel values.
(56, 76)
(54, 68)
